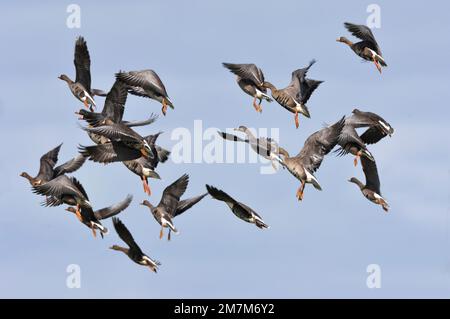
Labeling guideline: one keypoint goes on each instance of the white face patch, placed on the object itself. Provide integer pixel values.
(377, 196)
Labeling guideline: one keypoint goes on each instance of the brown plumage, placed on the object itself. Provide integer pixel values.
(307, 162)
(81, 87)
(171, 205)
(250, 79)
(294, 97)
(368, 48)
(371, 190)
(47, 169)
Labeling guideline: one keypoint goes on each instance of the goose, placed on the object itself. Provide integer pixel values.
(47, 169)
(250, 79)
(103, 213)
(81, 87)
(295, 96)
(371, 190)
(263, 146)
(146, 83)
(351, 142)
(133, 251)
(307, 162)
(116, 151)
(124, 135)
(69, 191)
(144, 167)
(239, 209)
(171, 206)
(378, 127)
(368, 48)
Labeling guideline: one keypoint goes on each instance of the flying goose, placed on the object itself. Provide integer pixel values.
(124, 135)
(368, 48)
(146, 83)
(106, 212)
(171, 206)
(116, 151)
(307, 162)
(239, 209)
(263, 146)
(294, 97)
(133, 251)
(371, 190)
(145, 167)
(81, 88)
(351, 142)
(250, 79)
(69, 191)
(378, 128)
(47, 169)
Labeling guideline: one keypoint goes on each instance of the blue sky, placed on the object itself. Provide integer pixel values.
(318, 248)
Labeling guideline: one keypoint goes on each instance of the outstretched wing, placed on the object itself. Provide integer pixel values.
(319, 144)
(58, 187)
(300, 74)
(307, 87)
(148, 121)
(146, 79)
(232, 137)
(82, 63)
(109, 152)
(115, 102)
(70, 166)
(114, 209)
(184, 205)
(125, 235)
(364, 33)
(220, 195)
(248, 72)
(115, 131)
(172, 193)
(372, 135)
(371, 173)
(47, 162)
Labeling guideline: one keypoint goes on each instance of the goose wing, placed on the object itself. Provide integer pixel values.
(82, 63)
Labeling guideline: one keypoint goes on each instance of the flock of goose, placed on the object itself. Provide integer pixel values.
(115, 140)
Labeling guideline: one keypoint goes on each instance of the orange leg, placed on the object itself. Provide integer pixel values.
(257, 106)
(297, 123)
(164, 107)
(377, 65)
(93, 231)
(355, 161)
(78, 214)
(161, 233)
(146, 187)
(383, 204)
(300, 191)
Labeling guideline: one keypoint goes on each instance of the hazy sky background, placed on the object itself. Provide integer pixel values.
(317, 248)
